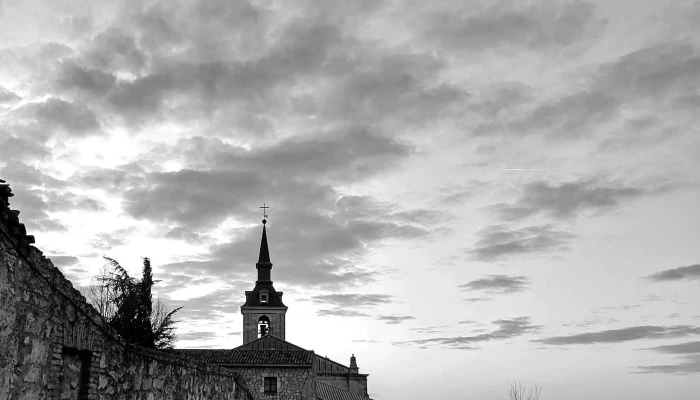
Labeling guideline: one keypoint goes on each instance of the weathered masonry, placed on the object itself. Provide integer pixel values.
(54, 345)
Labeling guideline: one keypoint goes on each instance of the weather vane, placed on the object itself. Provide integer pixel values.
(264, 213)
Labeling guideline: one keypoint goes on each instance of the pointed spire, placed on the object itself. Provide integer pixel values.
(353, 365)
(264, 257)
(264, 266)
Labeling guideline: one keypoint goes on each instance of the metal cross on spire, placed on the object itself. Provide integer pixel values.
(264, 213)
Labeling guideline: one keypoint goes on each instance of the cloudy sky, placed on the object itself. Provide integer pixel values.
(462, 193)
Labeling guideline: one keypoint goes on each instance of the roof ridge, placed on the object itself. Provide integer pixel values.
(236, 349)
(333, 361)
(268, 337)
(245, 357)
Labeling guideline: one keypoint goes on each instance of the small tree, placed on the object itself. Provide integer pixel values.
(127, 304)
(517, 391)
(163, 325)
(100, 295)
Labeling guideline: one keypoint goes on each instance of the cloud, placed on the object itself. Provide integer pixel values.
(45, 196)
(196, 336)
(235, 66)
(321, 274)
(570, 117)
(316, 249)
(388, 88)
(622, 307)
(680, 348)
(175, 280)
(7, 96)
(339, 312)
(691, 272)
(211, 196)
(624, 335)
(37, 205)
(362, 206)
(507, 329)
(28, 174)
(122, 177)
(209, 307)
(64, 261)
(240, 71)
(30, 63)
(372, 230)
(690, 359)
(91, 81)
(326, 234)
(359, 207)
(566, 200)
(395, 319)
(111, 51)
(498, 284)
(594, 320)
(62, 201)
(352, 299)
(455, 195)
(72, 119)
(510, 24)
(288, 173)
(477, 299)
(107, 241)
(19, 144)
(47, 225)
(429, 329)
(421, 216)
(185, 235)
(690, 365)
(343, 155)
(646, 131)
(660, 71)
(498, 242)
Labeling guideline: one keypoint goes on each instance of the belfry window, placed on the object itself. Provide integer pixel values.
(263, 326)
(264, 296)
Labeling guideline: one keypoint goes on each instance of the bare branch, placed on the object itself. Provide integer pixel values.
(100, 294)
(517, 391)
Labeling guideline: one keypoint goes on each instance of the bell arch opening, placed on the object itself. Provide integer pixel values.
(264, 326)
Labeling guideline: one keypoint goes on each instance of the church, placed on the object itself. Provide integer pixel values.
(274, 368)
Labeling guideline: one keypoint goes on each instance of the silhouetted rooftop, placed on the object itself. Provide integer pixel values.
(250, 357)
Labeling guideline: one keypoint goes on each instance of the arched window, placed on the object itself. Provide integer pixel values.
(264, 296)
(263, 326)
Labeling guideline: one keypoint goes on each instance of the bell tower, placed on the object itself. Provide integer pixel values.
(263, 311)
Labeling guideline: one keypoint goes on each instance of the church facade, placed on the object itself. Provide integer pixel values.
(274, 368)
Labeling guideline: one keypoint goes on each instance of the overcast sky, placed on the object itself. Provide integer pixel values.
(462, 193)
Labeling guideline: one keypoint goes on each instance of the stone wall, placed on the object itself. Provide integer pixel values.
(53, 345)
(292, 383)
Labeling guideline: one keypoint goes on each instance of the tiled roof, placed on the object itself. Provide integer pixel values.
(269, 342)
(325, 391)
(250, 357)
